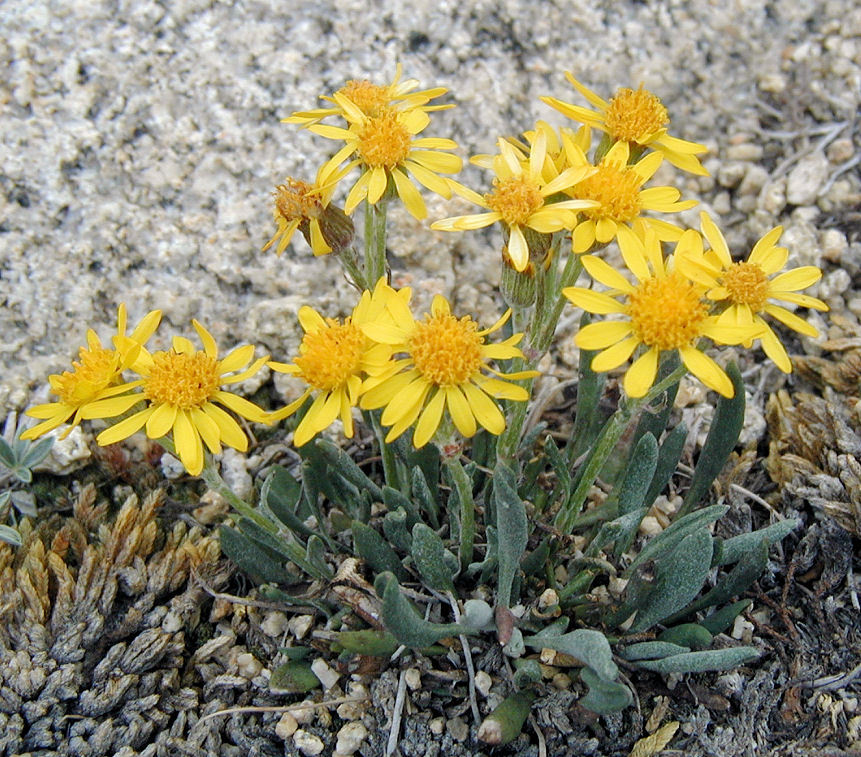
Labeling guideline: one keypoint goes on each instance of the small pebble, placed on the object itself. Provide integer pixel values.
(805, 180)
(308, 743)
(274, 624)
(834, 245)
(483, 682)
(744, 151)
(248, 666)
(730, 174)
(457, 729)
(413, 678)
(328, 677)
(350, 737)
(437, 726)
(772, 197)
(286, 726)
(300, 625)
(304, 714)
(840, 150)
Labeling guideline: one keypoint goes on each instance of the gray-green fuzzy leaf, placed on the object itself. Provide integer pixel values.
(735, 548)
(374, 550)
(638, 476)
(604, 697)
(428, 554)
(668, 460)
(700, 662)
(404, 622)
(344, 465)
(651, 650)
(588, 646)
(512, 529)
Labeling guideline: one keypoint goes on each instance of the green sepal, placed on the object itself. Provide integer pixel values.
(375, 551)
(701, 662)
(721, 440)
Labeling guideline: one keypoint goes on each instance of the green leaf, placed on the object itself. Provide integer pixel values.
(533, 563)
(691, 635)
(720, 441)
(250, 559)
(368, 642)
(512, 529)
(668, 460)
(35, 452)
(701, 662)
(504, 724)
(395, 529)
(281, 494)
(562, 490)
(293, 678)
(345, 466)
(7, 454)
(679, 577)
(424, 496)
(735, 548)
(638, 476)
(719, 621)
(315, 554)
(428, 554)
(10, 536)
(588, 417)
(618, 530)
(24, 475)
(405, 623)
(745, 572)
(526, 671)
(374, 550)
(588, 646)
(393, 500)
(655, 416)
(651, 650)
(477, 614)
(671, 537)
(604, 697)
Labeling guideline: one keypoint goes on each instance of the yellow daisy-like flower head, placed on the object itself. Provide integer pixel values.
(334, 356)
(388, 151)
(634, 116)
(373, 99)
(520, 197)
(746, 289)
(183, 391)
(617, 188)
(444, 367)
(303, 206)
(662, 311)
(95, 376)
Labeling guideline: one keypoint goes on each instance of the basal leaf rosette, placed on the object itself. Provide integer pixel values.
(443, 366)
(387, 149)
(95, 376)
(373, 99)
(524, 197)
(334, 359)
(662, 310)
(748, 290)
(636, 117)
(184, 395)
(617, 189)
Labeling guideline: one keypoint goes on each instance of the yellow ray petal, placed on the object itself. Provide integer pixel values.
(707, 371)
(188, 445)
(641, 375)
(161, 421)
(459, 410)
(598, 336)
(484, 408)
(124, 428)
(429, 420)
(614, 356)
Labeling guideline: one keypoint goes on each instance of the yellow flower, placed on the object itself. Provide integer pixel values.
(96, 376)
(183, 391)
(747, 288)
(372, 99)
(636, 117)
(520, 196)
(663, 311)
(386, 149)
(617, 188)
(443, 368)
(304, 206)
(333, 357)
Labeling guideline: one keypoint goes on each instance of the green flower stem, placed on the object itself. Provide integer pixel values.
(375, 242)
(604, 446)
(570, 273)
(463, 485)
(515, 415)
(349, 259)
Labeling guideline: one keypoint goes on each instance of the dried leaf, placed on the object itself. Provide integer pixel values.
(651, 745)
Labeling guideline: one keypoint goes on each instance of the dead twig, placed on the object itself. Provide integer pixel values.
(392, 743)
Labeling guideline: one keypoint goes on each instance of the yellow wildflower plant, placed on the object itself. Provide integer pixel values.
(183, 391)
(521, 190)
(333, 359)
(303, 206)
(662, 311)
(748, 288)
(372, 99)
(443, 368)
(387, 150)
(617, 188)
(95, 377)
(636, 117)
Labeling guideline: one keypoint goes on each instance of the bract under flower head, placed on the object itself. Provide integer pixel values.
(662, 311)
(520, 198)
(616, 187)
(444, 367)
(634, 116)
(333, 359)
(183, 391)
(746, 289)
(96, 376)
